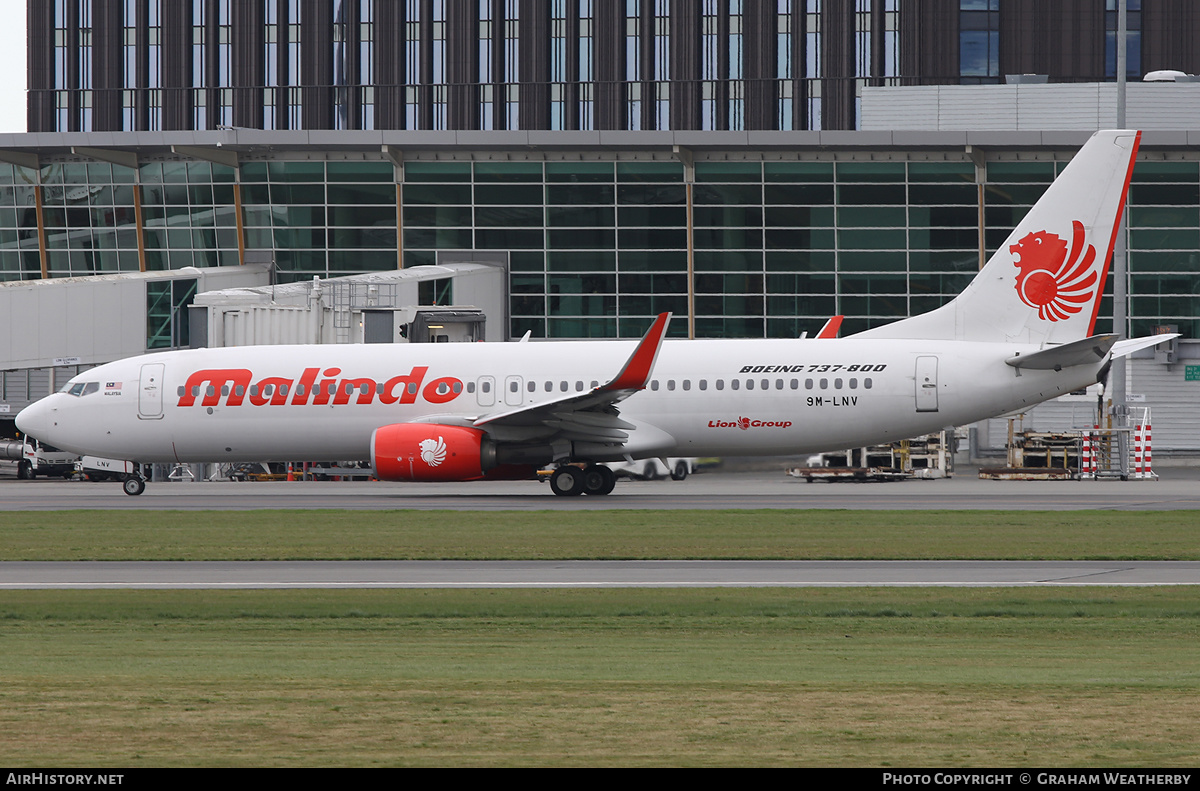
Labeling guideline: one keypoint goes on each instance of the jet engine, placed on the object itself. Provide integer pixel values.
(429, 452)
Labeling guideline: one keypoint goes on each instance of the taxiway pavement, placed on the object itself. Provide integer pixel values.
(589, 574)
(1178, 488)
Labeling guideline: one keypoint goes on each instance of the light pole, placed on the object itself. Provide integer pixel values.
(1116, 377)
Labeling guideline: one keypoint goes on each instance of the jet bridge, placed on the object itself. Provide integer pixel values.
(427, 304)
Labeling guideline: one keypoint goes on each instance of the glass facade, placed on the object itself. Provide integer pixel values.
(461, 64)
(600, 242)
(88, 215)
(1164, 246)
(190, 214)
(600, 247)
(20, 251)
(321, 218)
(108, 65)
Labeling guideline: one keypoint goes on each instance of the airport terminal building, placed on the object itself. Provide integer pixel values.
(746, 234)
(756, 220)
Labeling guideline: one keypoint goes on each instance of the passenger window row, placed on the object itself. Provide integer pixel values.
(532, 386)
(564, 386)
(767, 384)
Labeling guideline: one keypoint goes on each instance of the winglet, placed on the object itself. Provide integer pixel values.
(637, 368)
(830, 330)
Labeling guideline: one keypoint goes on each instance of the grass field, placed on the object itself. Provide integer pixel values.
(829, 677)
(989, 677)
(554, 535)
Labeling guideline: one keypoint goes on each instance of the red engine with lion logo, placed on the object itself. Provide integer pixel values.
(427, 452)
(430, 453)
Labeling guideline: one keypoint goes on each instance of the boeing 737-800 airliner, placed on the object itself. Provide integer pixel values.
(1019, 334)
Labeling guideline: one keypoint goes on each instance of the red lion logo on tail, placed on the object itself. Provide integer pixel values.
(1056, 284)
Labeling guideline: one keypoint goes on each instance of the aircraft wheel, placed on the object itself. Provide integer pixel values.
(680, 472)
(24, 471)
(134, 485)
(598, 479)
(567, 481)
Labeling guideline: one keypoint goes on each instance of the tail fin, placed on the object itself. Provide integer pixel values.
(1044, 283)
(830, 330)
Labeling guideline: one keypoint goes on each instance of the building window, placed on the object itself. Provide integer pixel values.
(979, 41)
(166, 312)
(353, 61)
(1133, 38)
(188, 214)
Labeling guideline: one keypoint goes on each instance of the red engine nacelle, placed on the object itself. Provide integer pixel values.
(428, 452)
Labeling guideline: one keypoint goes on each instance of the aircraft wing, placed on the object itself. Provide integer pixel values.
(591, 416)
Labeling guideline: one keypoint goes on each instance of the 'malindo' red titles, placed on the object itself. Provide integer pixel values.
(314, 386)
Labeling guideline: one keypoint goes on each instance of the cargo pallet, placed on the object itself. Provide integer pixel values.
(928, 456)
(852, 474)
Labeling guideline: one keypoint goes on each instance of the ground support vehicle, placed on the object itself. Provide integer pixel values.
(655, 469)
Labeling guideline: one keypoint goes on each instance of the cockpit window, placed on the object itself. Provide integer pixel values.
(81, 388)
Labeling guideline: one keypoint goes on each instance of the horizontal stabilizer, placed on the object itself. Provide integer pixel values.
(1126, 348)
(1088, 351)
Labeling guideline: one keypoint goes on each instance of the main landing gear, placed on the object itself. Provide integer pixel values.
(570, 481)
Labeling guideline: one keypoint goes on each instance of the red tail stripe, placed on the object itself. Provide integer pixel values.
(1137, 141)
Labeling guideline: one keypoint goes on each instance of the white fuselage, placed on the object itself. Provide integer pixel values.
(705, 398)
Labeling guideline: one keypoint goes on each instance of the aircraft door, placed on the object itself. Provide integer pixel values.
(485, 391)
(150, 395)
(512, 390)
(927, 384)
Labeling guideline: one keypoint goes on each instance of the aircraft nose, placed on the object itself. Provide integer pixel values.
(36, 420)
